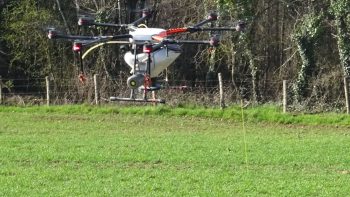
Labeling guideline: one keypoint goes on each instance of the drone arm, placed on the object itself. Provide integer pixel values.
(74, 37)
(199, 29)
(104, 39)
(157, 46)
(55, 35)
(100, 38)
(170, 41)
(146, 15)
(214, 41)
(109, 25)
(122, 36)
(160, 37)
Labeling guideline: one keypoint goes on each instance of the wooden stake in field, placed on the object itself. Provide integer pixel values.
(47, 79)
(285, 102)
(97, 96)
(347, 97)
(222, 102)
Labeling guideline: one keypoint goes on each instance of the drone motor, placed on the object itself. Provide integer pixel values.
(135, 81)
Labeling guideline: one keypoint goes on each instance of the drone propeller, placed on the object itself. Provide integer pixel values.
(212, 17)
(54, 34)
(89, 21)
(146, 14)
(83, 41)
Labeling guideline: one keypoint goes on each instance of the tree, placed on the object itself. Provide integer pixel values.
(341, 9)
(305, 37)
(23, 24)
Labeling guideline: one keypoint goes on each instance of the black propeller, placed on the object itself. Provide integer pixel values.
(89, 21)
(212, 17)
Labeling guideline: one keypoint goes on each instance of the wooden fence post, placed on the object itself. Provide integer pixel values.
(97, 96)
(285, 98)
(47, 79)
(1, 90)
(347, 97)
(222, 101)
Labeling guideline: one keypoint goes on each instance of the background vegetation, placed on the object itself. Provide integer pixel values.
(306, 42)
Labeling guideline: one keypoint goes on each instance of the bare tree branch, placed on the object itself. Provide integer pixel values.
(63, 17)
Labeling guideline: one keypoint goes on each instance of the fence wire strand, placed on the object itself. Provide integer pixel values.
(71, 91)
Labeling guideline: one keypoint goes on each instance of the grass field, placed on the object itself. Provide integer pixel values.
(49, 152)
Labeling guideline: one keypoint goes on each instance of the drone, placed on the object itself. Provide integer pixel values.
(151, 51)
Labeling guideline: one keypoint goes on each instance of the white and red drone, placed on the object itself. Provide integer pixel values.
(152, 49)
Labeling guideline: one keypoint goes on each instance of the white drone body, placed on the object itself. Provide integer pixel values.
(160, 59)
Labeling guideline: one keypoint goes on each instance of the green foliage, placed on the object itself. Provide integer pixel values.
(306, 35)
(340, 9)
(243, 44)
(23, 31)
(243, 8)
(343, 45)
(310, 27)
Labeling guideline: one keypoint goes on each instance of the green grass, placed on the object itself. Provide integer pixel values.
(109, 151)
(265, 113)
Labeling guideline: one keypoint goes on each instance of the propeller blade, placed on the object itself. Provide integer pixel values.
(146, 14)
(53, 34)
(89, 21)
(109, 25)
(212, 17)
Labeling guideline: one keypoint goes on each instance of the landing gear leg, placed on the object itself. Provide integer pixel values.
(132, 94)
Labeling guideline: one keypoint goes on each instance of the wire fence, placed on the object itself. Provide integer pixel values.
(42, 91)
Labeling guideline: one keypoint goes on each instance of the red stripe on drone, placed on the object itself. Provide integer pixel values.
(168, 32)
(176, 31)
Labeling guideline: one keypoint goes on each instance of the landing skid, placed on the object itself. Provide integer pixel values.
(142, 100)
(162, 101)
